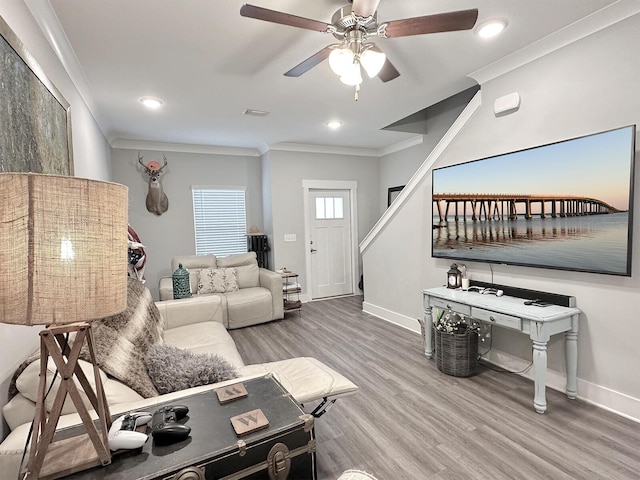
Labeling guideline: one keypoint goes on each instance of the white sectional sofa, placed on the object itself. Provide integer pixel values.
(196, 324)
(257, 299)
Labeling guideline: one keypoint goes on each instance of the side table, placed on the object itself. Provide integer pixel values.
(291, 291)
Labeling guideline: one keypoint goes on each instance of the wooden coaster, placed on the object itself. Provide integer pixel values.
(249, 422)
(231, 392)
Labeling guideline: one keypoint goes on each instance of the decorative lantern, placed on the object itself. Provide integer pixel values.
(454, 277)
(181, 284)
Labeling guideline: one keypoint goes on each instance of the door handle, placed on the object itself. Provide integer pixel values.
(313, 250)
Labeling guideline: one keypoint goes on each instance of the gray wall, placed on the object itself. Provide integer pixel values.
(586, 87)
(91, 160)
(287, 171)
(274, 199)
(397, 168)
(172, 233)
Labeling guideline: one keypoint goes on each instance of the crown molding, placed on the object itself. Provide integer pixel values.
(49, 24)
(257, 152)
(336, 150)
(588, 25)
(408, 143)
(184, 148)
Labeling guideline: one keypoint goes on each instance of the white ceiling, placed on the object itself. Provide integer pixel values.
(209, 64)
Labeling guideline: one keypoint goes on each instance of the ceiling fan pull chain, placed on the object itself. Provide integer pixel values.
(355, 97)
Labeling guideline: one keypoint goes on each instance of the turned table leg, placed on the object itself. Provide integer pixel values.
(540, 375)
(428, 325)
(571, 354)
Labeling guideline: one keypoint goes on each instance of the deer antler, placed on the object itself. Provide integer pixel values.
(140, 157)
(165, 163)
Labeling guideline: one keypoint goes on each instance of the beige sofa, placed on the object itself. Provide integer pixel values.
(258, 298)
(195, 324)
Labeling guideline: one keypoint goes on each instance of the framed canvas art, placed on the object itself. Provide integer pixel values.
(35, 123)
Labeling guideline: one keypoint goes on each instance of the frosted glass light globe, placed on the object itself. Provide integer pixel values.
(340, 60)
(352, 76)
(372, 62)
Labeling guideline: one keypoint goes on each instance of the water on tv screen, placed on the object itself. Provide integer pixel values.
(566, 205)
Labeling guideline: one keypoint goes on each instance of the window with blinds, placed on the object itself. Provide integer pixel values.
(220, 220)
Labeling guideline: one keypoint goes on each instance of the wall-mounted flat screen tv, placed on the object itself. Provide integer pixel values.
(566, 205)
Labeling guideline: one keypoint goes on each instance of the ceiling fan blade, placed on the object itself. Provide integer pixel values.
(310, 62)
(365, 8)
(442, 22)
(273, 16)
(388, 72)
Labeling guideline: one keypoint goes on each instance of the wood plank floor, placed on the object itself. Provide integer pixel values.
(410, 421)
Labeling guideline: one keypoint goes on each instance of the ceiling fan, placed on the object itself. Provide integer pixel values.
(353, 25)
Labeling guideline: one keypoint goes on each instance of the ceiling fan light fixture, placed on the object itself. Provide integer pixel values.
(491, 28)
(352, 75)
(372, 62)
(340, 60)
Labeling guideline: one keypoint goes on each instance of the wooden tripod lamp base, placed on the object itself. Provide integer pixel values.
(49, 459)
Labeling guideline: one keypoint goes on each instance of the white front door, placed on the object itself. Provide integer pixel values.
(330, 243)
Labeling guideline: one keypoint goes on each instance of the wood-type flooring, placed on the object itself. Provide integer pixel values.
(410, 421)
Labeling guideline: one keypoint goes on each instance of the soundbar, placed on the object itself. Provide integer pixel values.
(554, 298)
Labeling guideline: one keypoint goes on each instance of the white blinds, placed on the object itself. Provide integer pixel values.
(220, 220)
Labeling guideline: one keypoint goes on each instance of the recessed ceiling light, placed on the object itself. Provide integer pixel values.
(334, 124)
(491, 28)
(151, 102)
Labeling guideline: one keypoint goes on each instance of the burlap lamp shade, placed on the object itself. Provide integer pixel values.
(63, 249)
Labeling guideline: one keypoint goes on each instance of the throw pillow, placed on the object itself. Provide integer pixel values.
(28, 382)
(172, 369)
(217, 280)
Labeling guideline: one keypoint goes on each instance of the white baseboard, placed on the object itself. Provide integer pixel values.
(392, 317)
(603, 397)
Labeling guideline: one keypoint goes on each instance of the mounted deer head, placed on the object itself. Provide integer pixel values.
(157, 201)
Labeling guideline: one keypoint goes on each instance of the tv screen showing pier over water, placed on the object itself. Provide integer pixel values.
(566, 205)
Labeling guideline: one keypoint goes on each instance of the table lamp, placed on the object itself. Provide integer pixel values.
(63, 254)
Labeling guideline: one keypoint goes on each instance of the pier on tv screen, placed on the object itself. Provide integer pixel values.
(566, 205)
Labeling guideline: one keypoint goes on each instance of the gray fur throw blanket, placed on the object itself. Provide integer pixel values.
(172, 369)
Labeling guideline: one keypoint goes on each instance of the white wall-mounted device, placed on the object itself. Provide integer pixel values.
(506, 104)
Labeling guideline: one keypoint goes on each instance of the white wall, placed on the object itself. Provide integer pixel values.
(91, 160)
(586, 87)
(172, 233)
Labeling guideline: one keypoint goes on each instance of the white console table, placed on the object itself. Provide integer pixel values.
(511, 312)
